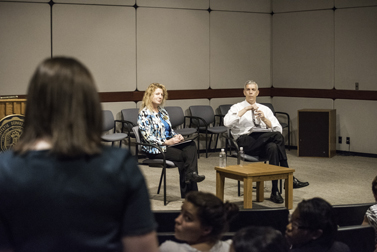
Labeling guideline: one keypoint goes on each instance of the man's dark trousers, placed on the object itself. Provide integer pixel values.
(267, 145)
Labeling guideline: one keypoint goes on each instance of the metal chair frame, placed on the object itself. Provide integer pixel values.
(128, 122)
(160, 163)
(204, 127)
(283, 125)
(177, 119)
(108, 124)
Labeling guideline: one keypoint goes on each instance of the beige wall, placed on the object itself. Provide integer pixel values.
(304, 44)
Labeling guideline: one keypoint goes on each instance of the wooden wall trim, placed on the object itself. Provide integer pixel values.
(135, 96)
(324, 93)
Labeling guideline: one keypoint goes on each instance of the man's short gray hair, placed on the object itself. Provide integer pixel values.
(250, 82)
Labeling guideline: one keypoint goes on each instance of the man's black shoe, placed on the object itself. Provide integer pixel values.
(298, 184)
(276, 197)
(194, 177)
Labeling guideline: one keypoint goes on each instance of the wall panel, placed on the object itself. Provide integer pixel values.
(25, 42)
(303, 50)
(173, 48)
(242, 5)
(99, 2)
(39, 1)
(355, 48)
(103, 38)
(299, 5)
(240, 49)
(353, 3)
(184, 4)
(357, 120)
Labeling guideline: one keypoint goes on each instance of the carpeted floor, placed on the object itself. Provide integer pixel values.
(339, 180)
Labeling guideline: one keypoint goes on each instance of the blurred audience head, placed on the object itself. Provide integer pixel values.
(203, 218)
(374, 188)
(258, 239)
(312, 220)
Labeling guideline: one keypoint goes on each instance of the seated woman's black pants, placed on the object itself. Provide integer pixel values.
(185, 157)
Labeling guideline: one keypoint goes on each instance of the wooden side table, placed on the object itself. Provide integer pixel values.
(255, 172)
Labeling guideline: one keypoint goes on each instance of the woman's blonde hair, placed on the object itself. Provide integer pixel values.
(147, 98)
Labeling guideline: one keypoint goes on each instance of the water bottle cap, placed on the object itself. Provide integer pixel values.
(241, 148)
(222, 150)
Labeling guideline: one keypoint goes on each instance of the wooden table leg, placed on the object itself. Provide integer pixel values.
(220, 182)
(260, 191)
(248, 193)
(289, 191)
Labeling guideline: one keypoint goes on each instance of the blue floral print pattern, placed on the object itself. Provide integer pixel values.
(152, 129)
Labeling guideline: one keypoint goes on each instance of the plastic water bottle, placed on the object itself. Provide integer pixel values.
(222, 158)
(240, 157)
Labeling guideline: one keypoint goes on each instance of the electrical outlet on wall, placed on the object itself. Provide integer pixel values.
(340, 140)
(348, 140)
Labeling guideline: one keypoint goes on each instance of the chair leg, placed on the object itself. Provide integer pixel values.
(164, 170)
(217, 139)
(159, 185)
(226, 146)
(210, 142)
(289, 137)
(198, 139)
(281, 186)
(206, 145)
(239, 188)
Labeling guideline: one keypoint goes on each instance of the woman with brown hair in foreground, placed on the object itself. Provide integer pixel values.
(60, 189)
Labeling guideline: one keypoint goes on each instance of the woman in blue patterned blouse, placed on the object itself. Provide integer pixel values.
(154, 124)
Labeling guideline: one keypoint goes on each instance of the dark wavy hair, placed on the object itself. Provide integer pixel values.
(212, 212)
(259, 239)
(317, 213)
(374, 186)
(63, 107)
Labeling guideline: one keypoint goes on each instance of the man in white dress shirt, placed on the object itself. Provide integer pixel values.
(255, 128)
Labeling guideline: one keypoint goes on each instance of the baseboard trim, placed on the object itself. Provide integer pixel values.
(338, 152)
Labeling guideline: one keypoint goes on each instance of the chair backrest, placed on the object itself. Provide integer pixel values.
(165, 220)
(130, 114)
(274, 217)
(135, 130)
(358, 238)
(203, 111)
(350, 214)
(224, 108)
(165, 224)
(223, 111)
(108, 120)
(176, 115)
(270, 106)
